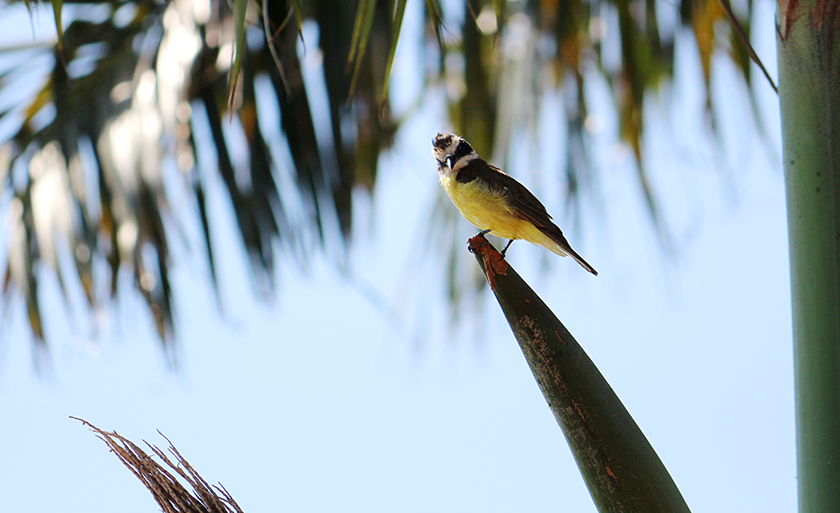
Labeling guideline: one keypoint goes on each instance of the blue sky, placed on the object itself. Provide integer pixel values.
(328, 400)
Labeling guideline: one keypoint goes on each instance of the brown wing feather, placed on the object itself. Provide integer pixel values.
(525, 205)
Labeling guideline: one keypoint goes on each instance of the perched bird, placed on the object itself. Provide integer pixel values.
(493, 201)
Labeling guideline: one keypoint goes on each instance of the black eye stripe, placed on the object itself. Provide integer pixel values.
(462, 150)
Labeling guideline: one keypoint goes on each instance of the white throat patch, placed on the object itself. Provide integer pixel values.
(463, 161)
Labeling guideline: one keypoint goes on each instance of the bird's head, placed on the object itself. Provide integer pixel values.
(450, 149)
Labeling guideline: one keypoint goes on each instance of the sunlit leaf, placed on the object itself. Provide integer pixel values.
(704, 16)
(240, 8)
(433, 10)
(361, 36)
(744, 38)
(59, 28)
(397, 25)
(298, 16)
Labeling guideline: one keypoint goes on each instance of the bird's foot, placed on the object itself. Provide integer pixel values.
(483, 232)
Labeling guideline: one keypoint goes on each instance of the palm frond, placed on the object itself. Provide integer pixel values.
(179, 90)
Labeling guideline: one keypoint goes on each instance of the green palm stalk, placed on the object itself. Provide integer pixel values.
(809, 94)
(618, 464)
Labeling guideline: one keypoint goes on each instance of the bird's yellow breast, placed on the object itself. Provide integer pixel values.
(486, 209)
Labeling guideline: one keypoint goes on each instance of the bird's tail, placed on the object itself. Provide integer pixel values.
(583, 263)
(562, 247)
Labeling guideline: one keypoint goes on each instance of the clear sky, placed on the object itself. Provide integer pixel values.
(336, 398)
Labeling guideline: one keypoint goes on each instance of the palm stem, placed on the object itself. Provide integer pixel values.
(618, 464)
(809, 93)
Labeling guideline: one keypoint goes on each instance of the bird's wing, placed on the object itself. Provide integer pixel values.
(525, 205)
(467, 166)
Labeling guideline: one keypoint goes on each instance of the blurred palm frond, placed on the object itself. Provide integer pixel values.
(139, 96)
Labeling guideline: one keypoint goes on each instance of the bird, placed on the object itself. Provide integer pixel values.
(494, 201)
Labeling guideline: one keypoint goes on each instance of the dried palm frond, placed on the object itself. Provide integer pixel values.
(175, 485)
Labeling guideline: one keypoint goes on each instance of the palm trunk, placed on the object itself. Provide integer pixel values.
(809, 93)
